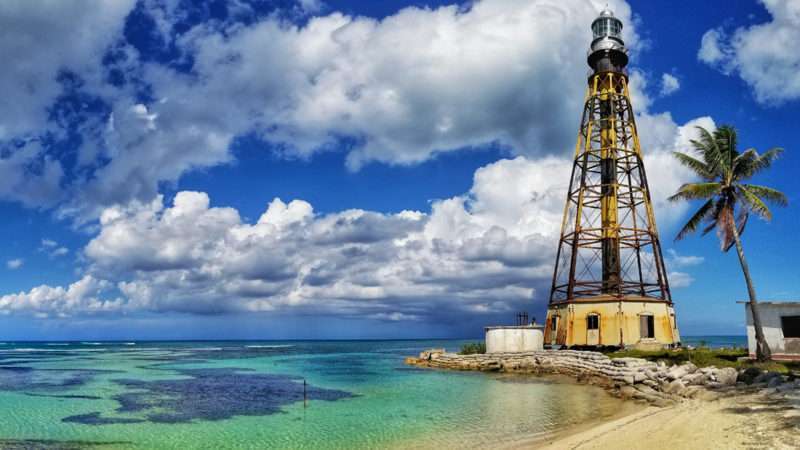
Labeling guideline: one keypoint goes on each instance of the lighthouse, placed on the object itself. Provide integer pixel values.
(609, 286)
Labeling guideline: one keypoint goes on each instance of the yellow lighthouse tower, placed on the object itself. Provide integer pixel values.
(609, 286)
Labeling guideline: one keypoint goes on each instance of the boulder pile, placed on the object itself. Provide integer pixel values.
(657, 383)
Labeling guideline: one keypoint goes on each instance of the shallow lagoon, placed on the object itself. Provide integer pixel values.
(250, 395)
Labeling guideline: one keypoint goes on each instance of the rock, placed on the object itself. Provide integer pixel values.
(646, 389)
(628, 391)
(775, 381)
(765, 377)
(674, 387)
(677, 372)
(651, 383)
(695, 378)
(792, 413)
(431, 354)
(748, 375)
(693, 391)
(646, 397)
(726, 376)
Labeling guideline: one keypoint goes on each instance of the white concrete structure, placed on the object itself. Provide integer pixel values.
(781, 324)
(511, 339)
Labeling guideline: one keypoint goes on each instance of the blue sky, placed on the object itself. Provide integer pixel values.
(426, 146)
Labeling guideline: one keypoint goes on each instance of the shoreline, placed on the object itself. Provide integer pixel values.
(680, 407)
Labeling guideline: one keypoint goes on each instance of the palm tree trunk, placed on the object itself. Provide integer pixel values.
(762, 349)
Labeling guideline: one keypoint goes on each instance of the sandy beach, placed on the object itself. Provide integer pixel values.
(743, 421)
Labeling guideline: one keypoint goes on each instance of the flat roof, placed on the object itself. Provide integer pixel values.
(514, 327)
(778, 303)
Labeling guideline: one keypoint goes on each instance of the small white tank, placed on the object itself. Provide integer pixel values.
(513, 339)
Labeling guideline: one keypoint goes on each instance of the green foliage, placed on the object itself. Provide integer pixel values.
(473, 348)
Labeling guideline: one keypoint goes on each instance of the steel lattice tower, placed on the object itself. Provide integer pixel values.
(609, 280)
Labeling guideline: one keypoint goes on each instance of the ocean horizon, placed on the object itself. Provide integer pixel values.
(710, 340)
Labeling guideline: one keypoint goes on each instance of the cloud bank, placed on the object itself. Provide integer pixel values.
(489, 251)
(499, 72)
(394, 91)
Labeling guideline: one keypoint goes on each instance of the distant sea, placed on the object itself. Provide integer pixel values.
(715, 341)
(286, 395)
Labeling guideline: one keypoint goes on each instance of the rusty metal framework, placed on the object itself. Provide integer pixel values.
(609, 245)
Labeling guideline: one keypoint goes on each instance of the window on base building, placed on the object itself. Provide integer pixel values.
(790, 326)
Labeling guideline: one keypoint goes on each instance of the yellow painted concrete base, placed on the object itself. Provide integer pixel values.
(638, 322)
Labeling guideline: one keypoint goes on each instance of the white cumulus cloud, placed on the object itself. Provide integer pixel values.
(81, 297)
(764, 55)
(680, 279)
(669, 84)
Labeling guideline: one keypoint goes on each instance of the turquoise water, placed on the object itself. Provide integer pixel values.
(250, 395)
(715, 341)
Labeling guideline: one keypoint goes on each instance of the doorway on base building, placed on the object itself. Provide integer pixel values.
(647, 326)
(593, 329)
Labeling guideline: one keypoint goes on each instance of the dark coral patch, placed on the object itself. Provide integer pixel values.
(24, 378)
(30, 444)
(96, 419)
(216, 394)
(66, 396)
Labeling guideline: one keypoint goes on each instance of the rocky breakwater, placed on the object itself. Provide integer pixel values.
(657, 383)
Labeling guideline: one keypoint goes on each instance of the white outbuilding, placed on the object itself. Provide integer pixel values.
(781, 324)
(514, 339)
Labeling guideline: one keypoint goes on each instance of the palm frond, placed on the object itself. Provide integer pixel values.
(753, 203)
(744, 163)
(767, 193)
(710, 227)
(695, 220)
(726, 139)
(694, 191)
(699, 167)
(709, 148)
(765, 160)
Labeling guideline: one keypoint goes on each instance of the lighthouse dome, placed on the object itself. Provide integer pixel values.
(606, 25)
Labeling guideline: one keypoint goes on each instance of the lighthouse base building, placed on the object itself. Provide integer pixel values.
(643, 323)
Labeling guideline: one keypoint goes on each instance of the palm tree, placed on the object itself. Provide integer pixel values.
(729, 201)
